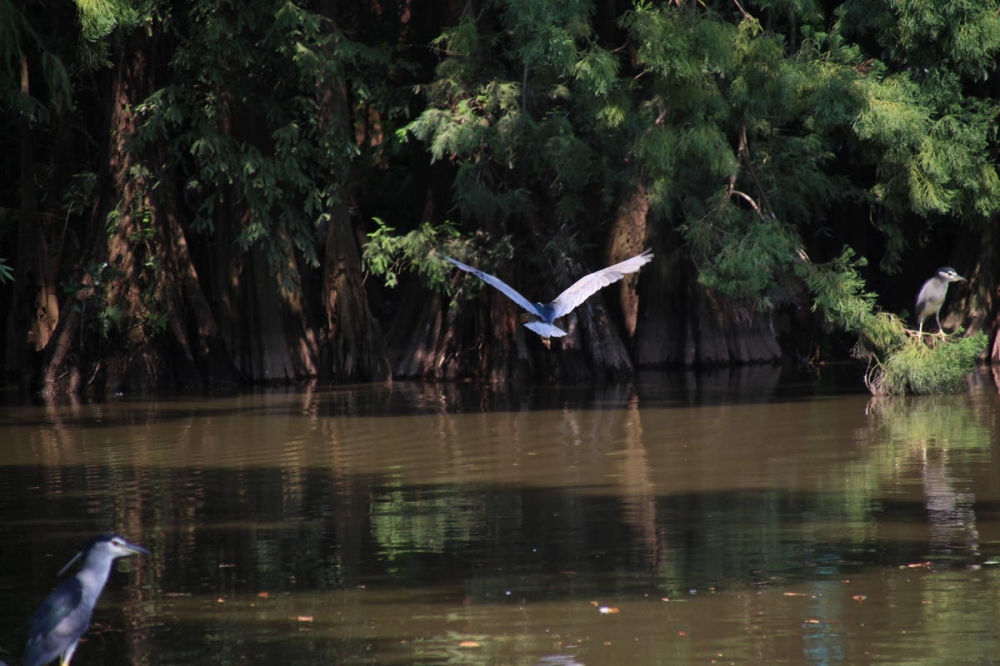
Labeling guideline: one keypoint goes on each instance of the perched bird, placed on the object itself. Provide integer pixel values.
(56, 627)
(567, 301)
(932, 295)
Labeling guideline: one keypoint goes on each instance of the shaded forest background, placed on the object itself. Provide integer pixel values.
(227, 192)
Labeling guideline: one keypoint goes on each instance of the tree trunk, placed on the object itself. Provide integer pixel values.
(977, 304)
(139, 320)
(262, 311)
(629, 237)
(354, 350)
(34, 310)
(689, 325)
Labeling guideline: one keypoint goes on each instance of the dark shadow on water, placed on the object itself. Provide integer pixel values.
(683, 388)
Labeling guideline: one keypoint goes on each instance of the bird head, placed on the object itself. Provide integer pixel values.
(949, 274)
(106, 545)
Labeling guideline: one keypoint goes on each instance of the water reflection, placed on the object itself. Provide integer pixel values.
(939, 438)
(683, 519)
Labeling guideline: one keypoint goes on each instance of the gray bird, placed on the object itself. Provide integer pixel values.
(932, 295)
(567, 301)
(56, 627)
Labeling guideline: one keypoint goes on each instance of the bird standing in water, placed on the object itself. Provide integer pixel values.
(567, 301)
(932, 295)
(64, 617)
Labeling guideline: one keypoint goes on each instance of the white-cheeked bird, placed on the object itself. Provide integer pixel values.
(932, 295)
(55, 629)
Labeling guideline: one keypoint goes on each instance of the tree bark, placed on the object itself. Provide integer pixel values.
(629, 237)
(34, 310)
(689, 325)
(977, 303)
(353, 350)
(140, 320)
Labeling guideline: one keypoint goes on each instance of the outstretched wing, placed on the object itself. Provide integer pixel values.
(588, 285)
(505, 288)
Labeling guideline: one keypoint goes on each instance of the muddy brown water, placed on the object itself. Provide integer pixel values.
(679, 520)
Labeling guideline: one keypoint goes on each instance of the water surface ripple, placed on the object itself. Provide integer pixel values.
(680, 520)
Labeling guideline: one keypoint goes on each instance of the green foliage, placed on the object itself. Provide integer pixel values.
(545, 35)
(921, 35)
(90, 295)
(926, 123)
(839, 292)
(50, 88)
(724, 148)
(260, 110)
(80, 192)
(919, 368)
(526, 137)
(898, 363)
(745, 125)
(931, 143)
(748, 265)
(387, 254)
(732, 131)
(6, 272)
(100, 18)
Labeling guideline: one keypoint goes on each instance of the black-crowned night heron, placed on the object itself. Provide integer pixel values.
(567, 301)
(932, 295)
(57, 625)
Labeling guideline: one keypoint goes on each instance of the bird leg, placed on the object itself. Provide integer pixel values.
(65, 659)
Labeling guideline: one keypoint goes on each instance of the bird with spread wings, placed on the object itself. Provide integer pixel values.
(565, 302)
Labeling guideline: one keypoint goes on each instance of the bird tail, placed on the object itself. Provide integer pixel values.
(545, 330)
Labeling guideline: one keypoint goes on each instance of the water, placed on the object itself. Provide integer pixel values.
(717, 519)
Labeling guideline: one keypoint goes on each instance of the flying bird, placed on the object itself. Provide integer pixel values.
(567, 301)
(932, 295)
(64, 617)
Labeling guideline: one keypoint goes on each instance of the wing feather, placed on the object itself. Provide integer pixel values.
(588, 285)
(499, 284)
(927, 302)
(51, 628)
(56, 607)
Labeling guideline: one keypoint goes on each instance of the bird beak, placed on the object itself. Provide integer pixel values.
(135, 548)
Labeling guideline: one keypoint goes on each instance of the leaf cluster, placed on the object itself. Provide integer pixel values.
(6, 272)
(259, 117)
(516, 114)
(388, 254)
(917, 368)
(929, 118)
(738, 139)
